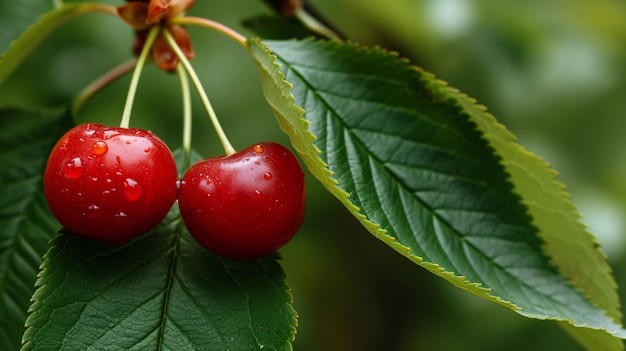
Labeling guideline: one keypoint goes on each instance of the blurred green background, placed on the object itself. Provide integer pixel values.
(552, 71)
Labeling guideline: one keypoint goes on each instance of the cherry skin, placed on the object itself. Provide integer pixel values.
(110, 184)
(245, 205)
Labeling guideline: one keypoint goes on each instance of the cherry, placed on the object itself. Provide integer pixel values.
(245, 205)
(111, 184)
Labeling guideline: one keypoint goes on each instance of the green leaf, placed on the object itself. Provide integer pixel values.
(568, 243)
(26, 224)
(404, 154)
(160, 292)
(29, 39)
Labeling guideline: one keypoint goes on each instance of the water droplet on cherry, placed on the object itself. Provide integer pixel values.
(100, 148)
(147, 149)
(132, 189)
(258, 194)
(121, 215)
(258, 148)
(267, 176)
(73, 168)
(108, 134)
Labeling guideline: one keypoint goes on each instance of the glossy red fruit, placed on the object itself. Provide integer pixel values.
(111, 184)
(245, 205)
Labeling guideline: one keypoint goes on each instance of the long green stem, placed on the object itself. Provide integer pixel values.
(103, 81)
(203, 22)
(132, 89)
(187, 120)
(228, 148)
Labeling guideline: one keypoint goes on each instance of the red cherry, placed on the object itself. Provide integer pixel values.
(111, 184)
(245, 205)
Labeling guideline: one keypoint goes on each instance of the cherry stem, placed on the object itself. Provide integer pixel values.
(228, 148)
(132, 89)
(187, 120)
(102, 82)
(203, 22)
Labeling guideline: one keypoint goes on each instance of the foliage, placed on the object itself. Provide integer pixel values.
(421, 166)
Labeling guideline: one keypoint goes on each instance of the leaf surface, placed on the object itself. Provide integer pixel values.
(405, 155)
(26, 224)
(160, 292)
(568, 243)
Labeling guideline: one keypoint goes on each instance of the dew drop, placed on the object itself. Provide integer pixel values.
(132, 189)
(93, 211)
(73, 168)
(267, 176)
(121, 215)
(108, 134)
(258, 194)
(127, 142)
(118, 159)
(147, 149)
(258, 148)
(99, 148)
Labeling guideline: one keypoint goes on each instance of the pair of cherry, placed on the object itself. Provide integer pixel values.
(116, 184)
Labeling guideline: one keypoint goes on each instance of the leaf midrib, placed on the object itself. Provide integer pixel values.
(170, 280)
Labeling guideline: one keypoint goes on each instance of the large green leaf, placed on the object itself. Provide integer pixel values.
(30, 38)
(26, 224)
(403, 152)
(160, 292)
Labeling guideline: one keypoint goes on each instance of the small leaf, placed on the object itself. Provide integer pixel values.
(402, 152)
(29, 39)
(26, 224)
(160, 292)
